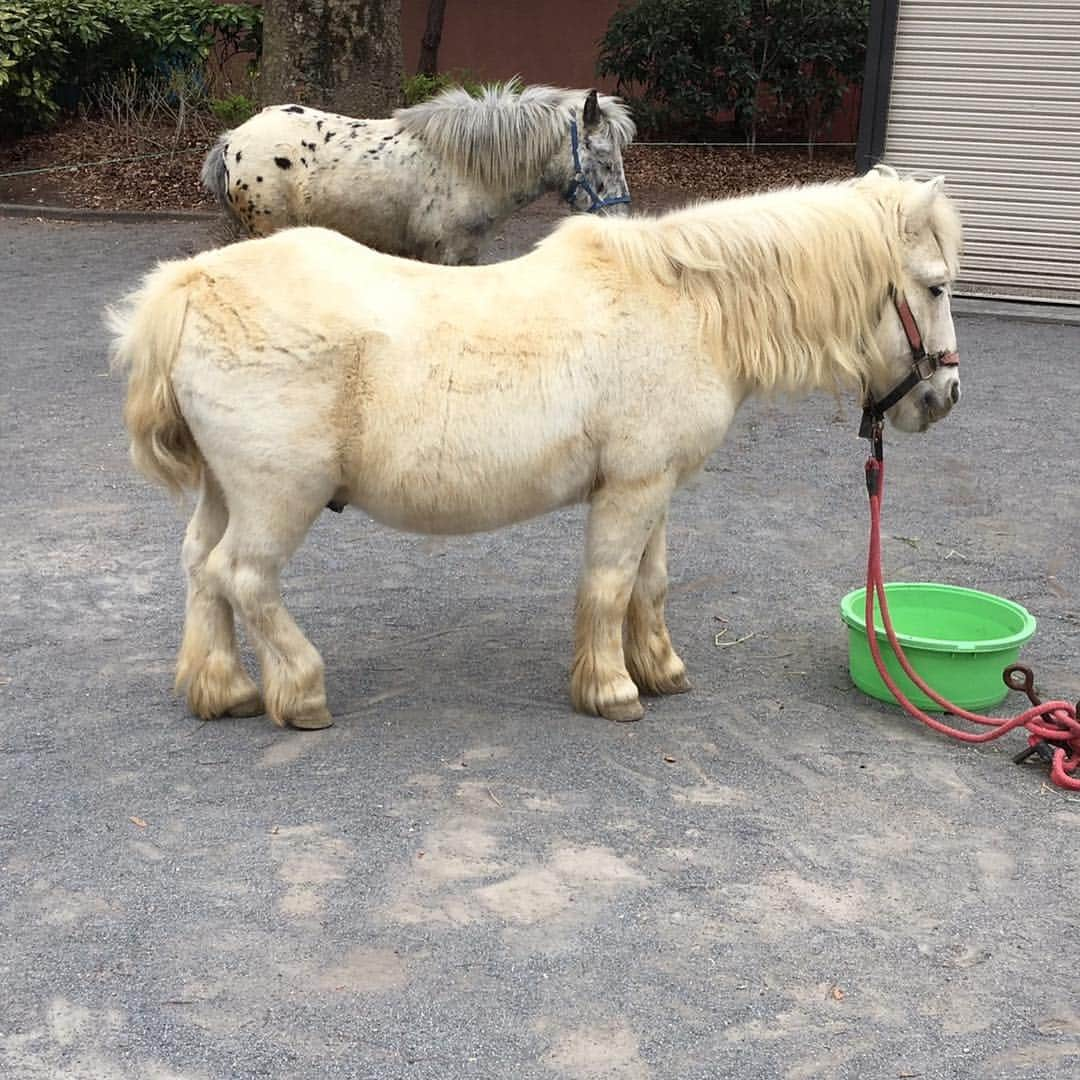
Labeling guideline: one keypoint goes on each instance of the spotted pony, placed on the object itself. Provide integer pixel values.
(435, 180)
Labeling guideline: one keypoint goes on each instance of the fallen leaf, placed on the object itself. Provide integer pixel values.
(137, 821)
(669, 759)
(837, 994)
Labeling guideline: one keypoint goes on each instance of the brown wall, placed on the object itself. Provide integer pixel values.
(545, 41)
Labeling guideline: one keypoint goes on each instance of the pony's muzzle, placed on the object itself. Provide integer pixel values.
(938, 403)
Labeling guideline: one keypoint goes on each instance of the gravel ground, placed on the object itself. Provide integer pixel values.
(771, 877)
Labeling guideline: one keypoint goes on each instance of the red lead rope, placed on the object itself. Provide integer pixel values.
(1052, 724)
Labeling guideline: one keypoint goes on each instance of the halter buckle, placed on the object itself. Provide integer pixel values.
(931, 366)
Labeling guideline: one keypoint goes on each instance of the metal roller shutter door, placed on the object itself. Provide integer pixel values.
(988, 93)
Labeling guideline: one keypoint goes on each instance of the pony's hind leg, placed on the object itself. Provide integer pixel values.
(263, 532)
(208, 666)
(650, 658)
(621, 520)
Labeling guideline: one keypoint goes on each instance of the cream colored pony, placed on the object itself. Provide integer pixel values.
(605, 366)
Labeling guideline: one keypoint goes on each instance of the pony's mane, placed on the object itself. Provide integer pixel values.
(790, 284)
(504, 137)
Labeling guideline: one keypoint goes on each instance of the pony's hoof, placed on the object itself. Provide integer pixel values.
(311, 721)
(252, 705)
(680, 684)
(623, 712)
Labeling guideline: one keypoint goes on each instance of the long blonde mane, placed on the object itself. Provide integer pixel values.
(790, 285)
(506, 136)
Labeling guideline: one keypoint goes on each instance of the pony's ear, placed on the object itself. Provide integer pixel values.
(920, 203)
(885, 170)
(591, 113)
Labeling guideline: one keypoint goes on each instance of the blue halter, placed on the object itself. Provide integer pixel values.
(581, 180)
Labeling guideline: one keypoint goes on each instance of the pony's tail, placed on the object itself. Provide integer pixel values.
(215, 173)
(147, 339)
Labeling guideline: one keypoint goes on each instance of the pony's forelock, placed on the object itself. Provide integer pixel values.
(506, 136)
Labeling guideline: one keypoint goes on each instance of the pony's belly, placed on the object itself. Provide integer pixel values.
(455, 504)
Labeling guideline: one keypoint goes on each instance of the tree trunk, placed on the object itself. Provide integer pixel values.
(429, 43)
(339, 55)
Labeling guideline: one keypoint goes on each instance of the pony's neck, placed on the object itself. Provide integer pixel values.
(521, 194)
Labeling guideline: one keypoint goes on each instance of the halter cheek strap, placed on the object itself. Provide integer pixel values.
(911, 332)
(923, 365)
(580, 180)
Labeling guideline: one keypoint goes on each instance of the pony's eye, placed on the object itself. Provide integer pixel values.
(936, 290)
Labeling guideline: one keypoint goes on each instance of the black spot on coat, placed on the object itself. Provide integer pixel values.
(238, 153)
(295, 109)
(283, 163)
(328, 136)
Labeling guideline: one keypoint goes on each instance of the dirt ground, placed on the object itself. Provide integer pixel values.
(168, 176)
(770, 877)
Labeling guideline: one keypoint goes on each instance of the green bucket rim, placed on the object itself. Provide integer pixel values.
(853, 605)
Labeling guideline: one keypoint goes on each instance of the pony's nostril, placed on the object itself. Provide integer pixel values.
(954, 393)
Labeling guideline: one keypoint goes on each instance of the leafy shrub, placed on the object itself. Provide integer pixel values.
(420, 87)
(52, 51)
(816, 57)
(233, 110)
(688, 60)
(676, 52)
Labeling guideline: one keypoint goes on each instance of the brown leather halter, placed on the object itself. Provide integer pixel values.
(923, 365)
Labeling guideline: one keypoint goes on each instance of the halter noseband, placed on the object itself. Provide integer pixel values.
(580, 180)
(923, 365)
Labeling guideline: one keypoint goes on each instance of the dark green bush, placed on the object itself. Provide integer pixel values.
(778, 61)
(420, 87)
(52, 51)
(233, 110)
(674, 57)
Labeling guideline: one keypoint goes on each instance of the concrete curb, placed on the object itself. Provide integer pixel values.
(72, 213)
(1017, 309)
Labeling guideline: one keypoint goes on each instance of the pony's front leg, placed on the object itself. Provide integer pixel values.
(650, 657)
(621, 520)
(208, 666)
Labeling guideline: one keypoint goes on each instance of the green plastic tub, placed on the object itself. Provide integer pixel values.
(958, 640)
